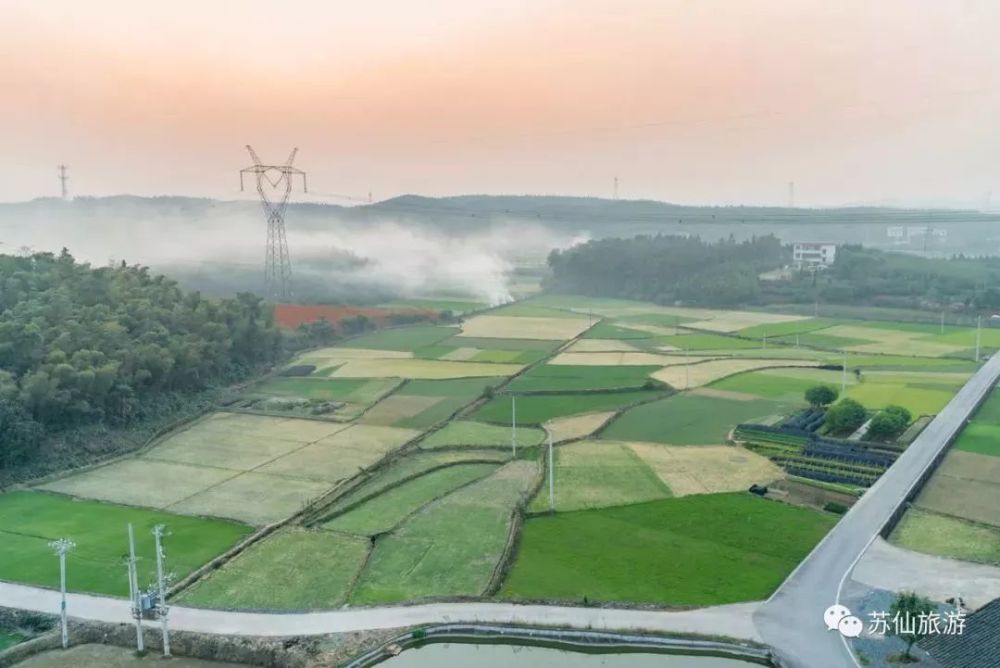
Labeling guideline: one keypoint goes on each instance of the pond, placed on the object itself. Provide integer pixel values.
(487, 655)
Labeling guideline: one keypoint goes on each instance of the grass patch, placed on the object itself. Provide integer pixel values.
(359, 390)
(479, 434)
(538, 408)
(563, 377)
(607, 330)
(451, 546)
(293, 569)
(697, 550)
(383, 512)
(930, 533)
(687, 419)
(594, 474)
(29, 520)
(406, 339)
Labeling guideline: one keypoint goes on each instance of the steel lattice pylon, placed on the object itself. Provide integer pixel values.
(277, 264)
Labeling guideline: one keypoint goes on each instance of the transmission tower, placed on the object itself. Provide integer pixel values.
(277, 265)
(62, 181)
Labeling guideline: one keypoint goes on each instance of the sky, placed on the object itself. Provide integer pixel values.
(691, 101)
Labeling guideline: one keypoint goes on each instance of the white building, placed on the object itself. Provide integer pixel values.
(806, 255)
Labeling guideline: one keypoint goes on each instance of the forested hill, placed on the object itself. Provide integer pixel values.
(82, 345)
(665, 269)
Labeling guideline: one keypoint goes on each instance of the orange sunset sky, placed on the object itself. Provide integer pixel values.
(694, 101)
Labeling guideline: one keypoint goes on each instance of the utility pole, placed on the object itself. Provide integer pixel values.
(158, 532)
(513, 426)
(552, 484)
(277, 264)
(133, 580)
(843, 375)
(979, 329)
(61, 547)
(62, 181)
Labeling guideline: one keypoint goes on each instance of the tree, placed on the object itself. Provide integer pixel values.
(889, 422)
(909, 607)
(845, 415)
(821, 395)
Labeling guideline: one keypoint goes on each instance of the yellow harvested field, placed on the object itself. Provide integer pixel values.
(337, 355)
(576, 426)
(515, 327)
(706, 469)
(460, 354)
(625, 359)
(423, 369)
(398, 407)
(696, 375)
(342, 455)
(732, 321)
(893, 341)
(601, 346)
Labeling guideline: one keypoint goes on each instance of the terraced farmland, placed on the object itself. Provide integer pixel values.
(389, 456)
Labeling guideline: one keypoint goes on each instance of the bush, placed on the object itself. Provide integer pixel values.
(845, 415)
(889, 423)
(821, 395)
(834, 507)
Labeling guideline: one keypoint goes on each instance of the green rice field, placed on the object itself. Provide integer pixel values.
(29, 520)
(680, 551)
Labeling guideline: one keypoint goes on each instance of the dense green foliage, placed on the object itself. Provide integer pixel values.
(664, 268)
(821, 395)
(846, 415)
(889, 422)
(84, 345)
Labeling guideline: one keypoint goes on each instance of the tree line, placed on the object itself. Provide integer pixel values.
(82, 345)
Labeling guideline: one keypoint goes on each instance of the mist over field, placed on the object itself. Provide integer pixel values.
(218, 247)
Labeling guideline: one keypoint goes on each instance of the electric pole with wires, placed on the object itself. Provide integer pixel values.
(277, 263)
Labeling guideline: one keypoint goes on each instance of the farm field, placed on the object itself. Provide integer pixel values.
(680, 551)
(450, 547)
(461, 433)
(706, 469)
(576, 426)
(688, 419)
(596, 474)
(703, 373)
(524, 327)
(539, 408)
(555, 377)
(270, 575)
(383, 513)
(29, 520)
(249, 468)
(944, 536)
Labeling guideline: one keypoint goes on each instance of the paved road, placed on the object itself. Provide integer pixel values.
(791, 621)
(732, 620)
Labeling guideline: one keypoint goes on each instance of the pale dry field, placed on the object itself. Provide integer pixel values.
(392, 409)
(423, 369)
(601, 346)
(696, 375)
(524, 327)
(732, 321)
(706, 469)
(576, 426)
(625, 359)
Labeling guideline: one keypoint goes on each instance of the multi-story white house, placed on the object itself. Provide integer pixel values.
(808, 254)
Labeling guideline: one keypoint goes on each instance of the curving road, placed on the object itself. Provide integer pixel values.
(732, 620)
(791, 621)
